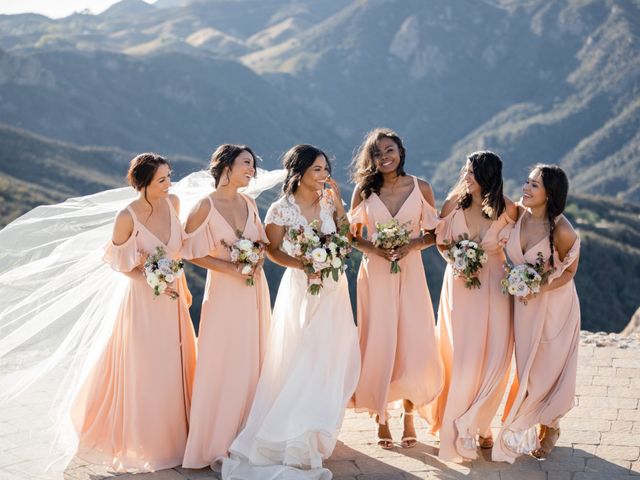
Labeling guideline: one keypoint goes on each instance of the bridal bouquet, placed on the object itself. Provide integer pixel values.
(322, 254)
(468, 258)
(160, 271)
(391, 235)
(525, 279)
(246, 254)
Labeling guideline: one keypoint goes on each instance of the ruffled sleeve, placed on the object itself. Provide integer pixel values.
(505, 232)
(358, 216)
(125, 257)
(429, 218)
(201, 241)
(570, 257)
(444, 229)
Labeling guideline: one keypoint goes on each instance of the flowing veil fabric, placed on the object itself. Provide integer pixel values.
(58, 302)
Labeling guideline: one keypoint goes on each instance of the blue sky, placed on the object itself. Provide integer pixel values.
(55, 8)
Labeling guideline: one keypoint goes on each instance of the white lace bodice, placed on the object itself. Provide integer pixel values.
(286, 212)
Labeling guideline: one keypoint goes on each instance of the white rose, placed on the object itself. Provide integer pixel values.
(152, 280)
(319, 255)
(316, 239)
(336, 262)
(471, 254)
(245, 245)
(169, 278)
(333, 247)
(464, 243)
(473, 244)
(247, 269)
(164, 264)
(253, 257)
(308, 234)
(521, 289)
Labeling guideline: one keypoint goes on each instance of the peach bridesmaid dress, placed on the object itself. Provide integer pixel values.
(396, 323)
(132, 413)
(547, 335)
(475, 342)
(234, 323)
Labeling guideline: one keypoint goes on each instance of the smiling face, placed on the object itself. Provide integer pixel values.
(160, 183)
(242, 170)
(470, 182)
(386, 155)
(533, 191)
(316, 175)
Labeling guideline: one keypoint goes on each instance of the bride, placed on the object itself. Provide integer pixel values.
(312, 359)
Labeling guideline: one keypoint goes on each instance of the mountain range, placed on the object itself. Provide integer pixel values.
(534, 80)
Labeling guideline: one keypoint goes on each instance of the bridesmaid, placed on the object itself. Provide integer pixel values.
(235, 317)
(132, 413)
(395, 314)
(474, 325)
(547, 329)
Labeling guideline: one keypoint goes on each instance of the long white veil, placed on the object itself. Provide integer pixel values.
(58, 302)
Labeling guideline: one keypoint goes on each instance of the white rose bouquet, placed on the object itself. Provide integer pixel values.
(322, 254)
(467, 258)
(525, 279)
(392, 235)
(246, 254)
(160, 271)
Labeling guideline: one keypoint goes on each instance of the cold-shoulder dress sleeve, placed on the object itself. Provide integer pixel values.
(124, 257)
(201, 241)
(444, 228)
(429, 218)
(570, 257)
(358, 216)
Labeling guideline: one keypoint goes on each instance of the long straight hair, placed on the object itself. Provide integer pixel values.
(556, 186)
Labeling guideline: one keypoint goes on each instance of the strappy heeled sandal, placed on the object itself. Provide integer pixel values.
(386, 443)
(407, 441)
(548, 438)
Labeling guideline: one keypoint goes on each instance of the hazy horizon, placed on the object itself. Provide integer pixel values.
(56, 9)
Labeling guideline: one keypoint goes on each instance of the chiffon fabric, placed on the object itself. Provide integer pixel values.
(396, 324)
(132, 413)
(310, 371)
(547, 335)
(234, 323)
(475, 342)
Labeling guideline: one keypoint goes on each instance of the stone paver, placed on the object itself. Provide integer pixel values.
(600, 437)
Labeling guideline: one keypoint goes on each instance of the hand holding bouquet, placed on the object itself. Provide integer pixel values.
(161, 271)
(391, 235)
(467, 258)
(322, 255)
(524, 280)
(246, 254)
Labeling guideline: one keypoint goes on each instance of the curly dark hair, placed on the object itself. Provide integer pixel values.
(364, 171)
(487, 170)
(297, 161)
(224, 156)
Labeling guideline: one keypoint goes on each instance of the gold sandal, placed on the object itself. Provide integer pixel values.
(408, 441)
(548, 438)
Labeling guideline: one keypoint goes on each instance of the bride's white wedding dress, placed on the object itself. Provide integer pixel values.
(310, 372)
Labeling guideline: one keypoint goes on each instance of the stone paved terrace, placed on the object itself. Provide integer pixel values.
(600, 437)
